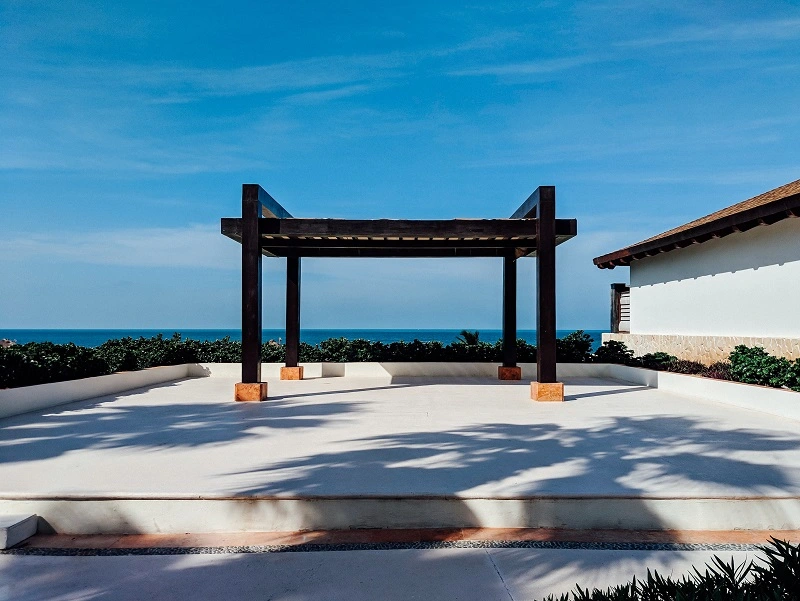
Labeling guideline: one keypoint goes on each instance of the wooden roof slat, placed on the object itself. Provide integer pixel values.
(489, 230)
(398, 237)
(461, 228)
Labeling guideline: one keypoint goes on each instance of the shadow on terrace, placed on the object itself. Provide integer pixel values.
(669, 455)
(108, 423)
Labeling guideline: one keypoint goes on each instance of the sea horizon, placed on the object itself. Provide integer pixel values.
(91, 337)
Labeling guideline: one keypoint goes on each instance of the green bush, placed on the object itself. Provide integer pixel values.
(16, 368)
(719, 371)
(574, 348)
(223, 350)
(659, 361)
(526, 352)
(119, 354)
(776, 577)
(792, 380)
(613, 351)
(271, 352)
(684, 366)
(415, 350)
(39, 363)
(754, 365)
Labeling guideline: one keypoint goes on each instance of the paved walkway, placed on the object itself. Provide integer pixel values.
(479, 574)
(479, 564)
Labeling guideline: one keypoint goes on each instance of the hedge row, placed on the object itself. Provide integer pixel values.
(751, 365)
(43, 362)
(774, 577)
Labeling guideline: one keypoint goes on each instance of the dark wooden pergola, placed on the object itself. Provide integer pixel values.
(267, 229)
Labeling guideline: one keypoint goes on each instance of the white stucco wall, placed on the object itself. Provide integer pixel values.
(745, 284)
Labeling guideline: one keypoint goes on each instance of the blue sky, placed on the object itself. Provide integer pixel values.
(127, 129)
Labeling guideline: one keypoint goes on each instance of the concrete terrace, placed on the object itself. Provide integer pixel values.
(434, 452)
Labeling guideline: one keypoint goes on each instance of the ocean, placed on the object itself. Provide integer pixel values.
(98, 337)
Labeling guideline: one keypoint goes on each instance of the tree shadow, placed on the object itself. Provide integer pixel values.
(111, 423)
(392, 575)
(617, 456)
(625, 456)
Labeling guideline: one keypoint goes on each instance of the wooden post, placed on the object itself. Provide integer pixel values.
(292, 369)
(546, 388)
(251, 388)
(509, 370)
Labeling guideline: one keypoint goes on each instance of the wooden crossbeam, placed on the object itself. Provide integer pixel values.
(484, 231)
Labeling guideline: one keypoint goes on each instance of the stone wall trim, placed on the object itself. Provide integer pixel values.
(704, 349)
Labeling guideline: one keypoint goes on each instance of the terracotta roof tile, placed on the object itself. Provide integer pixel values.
(764, 206)
(751, 203)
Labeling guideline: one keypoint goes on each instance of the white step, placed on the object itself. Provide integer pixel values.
(16, 528)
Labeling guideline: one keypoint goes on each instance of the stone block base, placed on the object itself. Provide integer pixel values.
(550, 391)
(291, 373)
(509, 373)
(251, 392)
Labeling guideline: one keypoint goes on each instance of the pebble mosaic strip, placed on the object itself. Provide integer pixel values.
(315, 548)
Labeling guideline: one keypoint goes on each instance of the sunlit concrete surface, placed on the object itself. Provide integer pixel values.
(465, 574)
(417, 436)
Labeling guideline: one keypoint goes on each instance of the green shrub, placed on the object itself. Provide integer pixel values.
(271, 352)
(526, 352)
(223, 350)
(775, 577)
(721, 370)
(613, 351)
(164, 351)
(659, 361)
(43, 362)
(793, 376)
(574, 348)
(684, 366)
(17, 368)
(415, 350)
(119, 354)
(480, 351)
(39, 363)
(754, 365)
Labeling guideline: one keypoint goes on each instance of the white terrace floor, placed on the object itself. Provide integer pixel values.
(414, 437)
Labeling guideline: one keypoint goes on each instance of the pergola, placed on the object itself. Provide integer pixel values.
(267, 229)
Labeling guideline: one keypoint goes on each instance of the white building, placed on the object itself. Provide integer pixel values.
(732, 277)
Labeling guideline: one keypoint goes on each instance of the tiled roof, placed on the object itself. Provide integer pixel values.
(763, 209)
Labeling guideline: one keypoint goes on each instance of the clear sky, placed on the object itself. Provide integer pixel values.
(127, 129)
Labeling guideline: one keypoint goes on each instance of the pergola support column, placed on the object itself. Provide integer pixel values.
(251, 388)
(509, 370)
(292, 369)
(546, 388)
(268, 229)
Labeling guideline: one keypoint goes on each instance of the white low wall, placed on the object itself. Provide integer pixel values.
(80, 515)
(775, 401)
(783, 403)
(15, 401)
(409, 369)
(234, 370)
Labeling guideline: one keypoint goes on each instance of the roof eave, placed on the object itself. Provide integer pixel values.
(766, 214)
